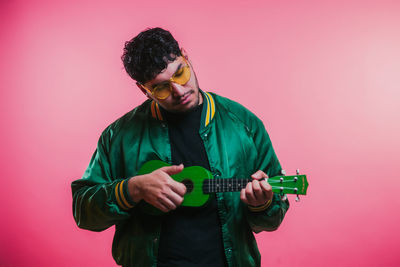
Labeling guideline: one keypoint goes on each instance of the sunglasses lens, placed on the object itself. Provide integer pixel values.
(182, 76)
(162, 91)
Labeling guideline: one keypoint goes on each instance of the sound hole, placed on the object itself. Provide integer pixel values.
(189, 185)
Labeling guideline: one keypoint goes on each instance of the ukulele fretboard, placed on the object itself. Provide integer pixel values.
(224, 185)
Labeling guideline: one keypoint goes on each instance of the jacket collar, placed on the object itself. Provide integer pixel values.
(207, 113)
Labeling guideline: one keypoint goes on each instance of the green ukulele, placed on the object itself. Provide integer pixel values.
(200, 184)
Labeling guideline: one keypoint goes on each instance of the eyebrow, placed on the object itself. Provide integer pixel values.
(154, 85)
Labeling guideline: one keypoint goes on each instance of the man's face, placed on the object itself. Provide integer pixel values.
(183, 97)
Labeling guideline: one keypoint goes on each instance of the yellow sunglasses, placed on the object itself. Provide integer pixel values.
(164, 89)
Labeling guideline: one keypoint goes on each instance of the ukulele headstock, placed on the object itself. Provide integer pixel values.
(291, 184)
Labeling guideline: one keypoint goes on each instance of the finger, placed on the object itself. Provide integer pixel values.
(259, 175)
(258, 192)
(171, 170)
(243, 196)
(250, 194)
(160, 204)
(161, 207)
(167, 203)
(175, 199)
(266, 187)
(178, 188)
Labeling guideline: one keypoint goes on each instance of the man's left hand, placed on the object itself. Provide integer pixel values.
(257, 192)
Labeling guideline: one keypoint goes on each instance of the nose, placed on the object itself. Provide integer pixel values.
(177, 90)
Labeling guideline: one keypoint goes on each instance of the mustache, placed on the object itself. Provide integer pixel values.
(179, 98)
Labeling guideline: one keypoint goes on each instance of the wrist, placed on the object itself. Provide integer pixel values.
(134, 188)
(260, 207)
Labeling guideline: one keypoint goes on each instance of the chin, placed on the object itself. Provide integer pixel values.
(185, 108)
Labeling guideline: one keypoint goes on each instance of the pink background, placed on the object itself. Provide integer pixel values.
(324, 78)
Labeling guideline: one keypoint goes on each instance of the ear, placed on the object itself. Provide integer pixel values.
(185, 55)
(144, 91)
(183, 52)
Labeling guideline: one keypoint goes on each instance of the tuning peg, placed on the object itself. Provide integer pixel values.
(283, 172)
(297, 171)
(297, 198)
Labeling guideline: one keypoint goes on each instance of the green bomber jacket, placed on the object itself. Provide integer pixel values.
(237, 145)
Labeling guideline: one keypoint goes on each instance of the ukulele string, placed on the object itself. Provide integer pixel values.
(273, 182)
(283, 182)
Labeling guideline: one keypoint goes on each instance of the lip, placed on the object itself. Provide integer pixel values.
(184, 100)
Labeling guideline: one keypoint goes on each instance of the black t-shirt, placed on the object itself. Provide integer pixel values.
(190, 236)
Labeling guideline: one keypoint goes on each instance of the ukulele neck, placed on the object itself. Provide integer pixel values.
(224, 185)
(295, 184)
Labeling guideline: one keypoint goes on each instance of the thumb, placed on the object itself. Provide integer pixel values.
(174, 169)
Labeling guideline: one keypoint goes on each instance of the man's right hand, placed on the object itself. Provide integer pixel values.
(158, 188)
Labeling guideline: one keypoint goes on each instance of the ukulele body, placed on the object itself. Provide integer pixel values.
(192, 177)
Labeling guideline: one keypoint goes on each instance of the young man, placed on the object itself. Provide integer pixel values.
(183, 126)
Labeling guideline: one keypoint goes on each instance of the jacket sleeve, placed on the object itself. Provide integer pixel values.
(267, 161)
(99, 201)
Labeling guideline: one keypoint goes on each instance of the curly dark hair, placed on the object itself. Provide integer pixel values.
(147, 54)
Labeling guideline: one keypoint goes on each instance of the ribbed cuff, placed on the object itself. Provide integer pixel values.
(261, 207)
(122, 196)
